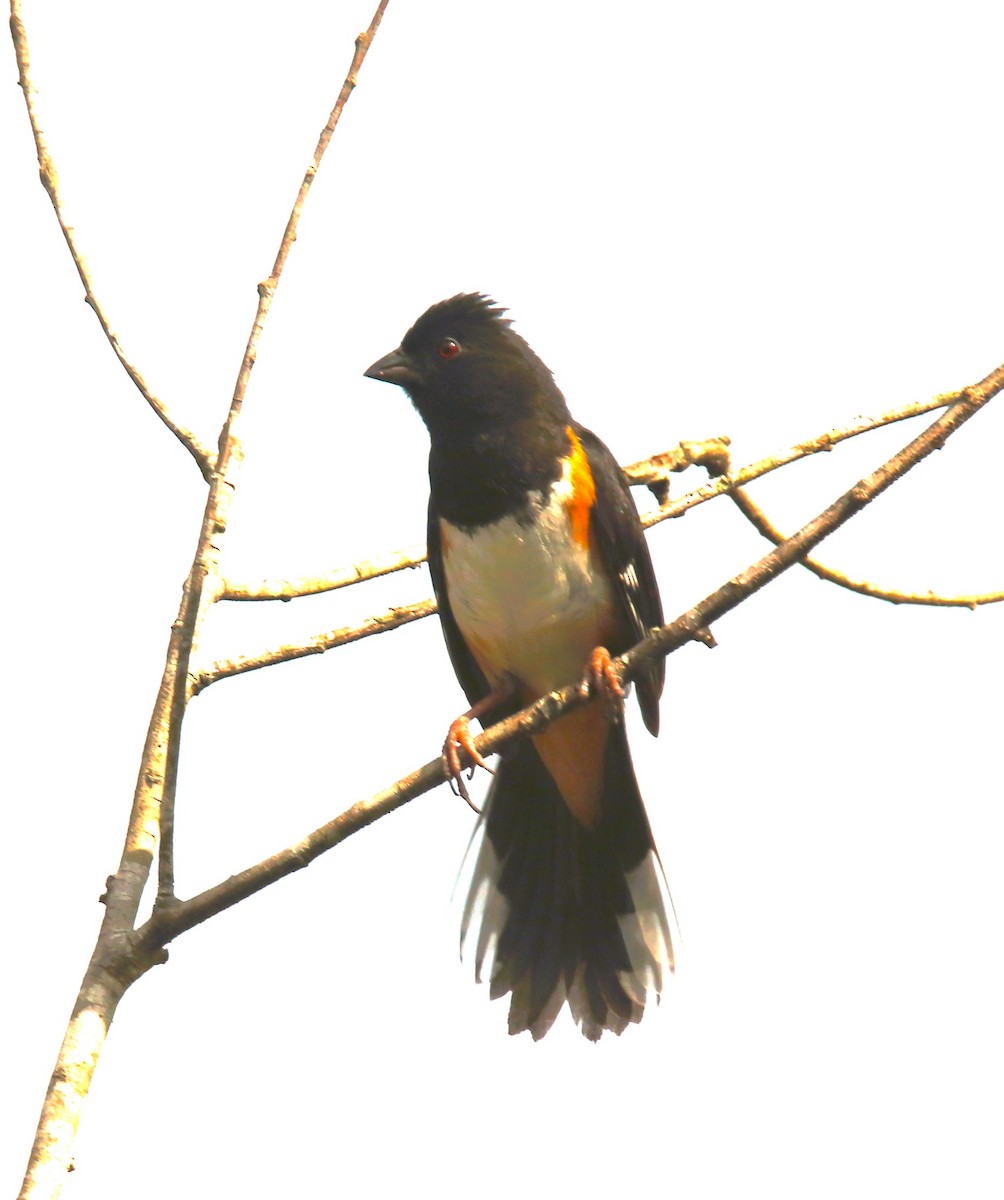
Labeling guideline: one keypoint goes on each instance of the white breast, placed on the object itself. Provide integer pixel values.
(526, 596)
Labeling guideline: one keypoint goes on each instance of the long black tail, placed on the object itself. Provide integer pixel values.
(559, 912)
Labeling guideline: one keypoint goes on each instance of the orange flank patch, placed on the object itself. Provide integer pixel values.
(572, 750)
(583, 490)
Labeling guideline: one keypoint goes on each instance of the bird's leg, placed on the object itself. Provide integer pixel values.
(604, 683)
(459, 737)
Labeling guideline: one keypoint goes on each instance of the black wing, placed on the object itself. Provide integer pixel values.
(624, 550)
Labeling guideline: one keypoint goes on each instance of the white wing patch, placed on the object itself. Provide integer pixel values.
(629, 578)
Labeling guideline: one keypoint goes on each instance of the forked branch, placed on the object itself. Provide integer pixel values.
(118, 959)
(764, 526)
(50, 181)
(654, 473)
(167, 924)
(123, 953)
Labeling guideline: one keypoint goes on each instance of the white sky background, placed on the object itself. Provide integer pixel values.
(757, 220)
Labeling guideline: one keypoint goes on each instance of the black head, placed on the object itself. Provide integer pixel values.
(462, 364)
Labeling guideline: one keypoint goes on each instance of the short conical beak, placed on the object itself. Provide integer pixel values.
(395, 367)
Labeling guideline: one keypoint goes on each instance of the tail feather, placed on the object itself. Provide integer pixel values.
(560, 913)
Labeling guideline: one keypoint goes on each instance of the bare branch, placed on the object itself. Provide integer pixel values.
(50, 181)
(653, 471)
(312, 585)
(758, 518)
(115, 963)
(711, 453)
(968, 402)
(203, 585)
(393, 618)
(167, 924)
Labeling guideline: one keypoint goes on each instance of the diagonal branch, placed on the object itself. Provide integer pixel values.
(765, 527)
(114, 965)
(654, 473)
(50, 181)
(393, 618)
(313, 585)
(662, 641)
(167, 924)
(713, 455)
(202, 586)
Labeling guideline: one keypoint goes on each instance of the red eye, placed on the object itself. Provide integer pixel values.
(449, 348)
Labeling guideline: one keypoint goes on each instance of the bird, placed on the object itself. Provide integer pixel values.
(541, 571)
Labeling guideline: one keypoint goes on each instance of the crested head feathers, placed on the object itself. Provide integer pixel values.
(464, 365)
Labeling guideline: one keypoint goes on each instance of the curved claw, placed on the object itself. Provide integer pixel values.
(604, 682)
(459, 737)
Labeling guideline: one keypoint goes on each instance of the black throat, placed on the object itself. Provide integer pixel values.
(478, 477)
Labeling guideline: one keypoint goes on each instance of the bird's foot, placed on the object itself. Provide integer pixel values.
(605, 684)
(459, 738)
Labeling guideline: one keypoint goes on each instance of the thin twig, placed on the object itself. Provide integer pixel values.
(114, 965)
(312, 585)
(713, 455)
(969, 401)
(50, 181)
(653, 473)
(758, 518)
(393, 618)
(197, 596)
(167, 924)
